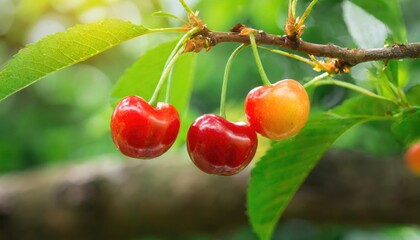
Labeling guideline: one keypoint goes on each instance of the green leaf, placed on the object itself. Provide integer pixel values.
(63, 49)
(388, 80)
(365, 137)
(365, 29)
(182, 81)
(365, 106)
(278, 175)
(282, 170)
(392, 70)
(143, 76)
(389, 12)
(413, 95)
(403, 73)
(407, 130)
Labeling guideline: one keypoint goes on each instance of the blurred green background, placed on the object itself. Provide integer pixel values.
(65, 117)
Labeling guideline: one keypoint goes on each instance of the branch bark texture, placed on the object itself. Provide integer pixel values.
(348, 57)
(122, 199)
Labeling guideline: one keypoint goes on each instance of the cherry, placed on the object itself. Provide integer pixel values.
(217, 146)
(278, 111)
(412, 157)
(141, 131)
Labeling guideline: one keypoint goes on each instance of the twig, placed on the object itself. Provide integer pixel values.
(347, 57)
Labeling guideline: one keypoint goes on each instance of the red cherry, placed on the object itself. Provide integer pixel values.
(278, 111)
(141, 131)
(217, 146)
(412, 157)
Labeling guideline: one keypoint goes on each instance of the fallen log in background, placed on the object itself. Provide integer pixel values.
(111, 198)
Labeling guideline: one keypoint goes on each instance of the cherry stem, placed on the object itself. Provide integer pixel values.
(225, 80)
(164, 30)
(319, 80)
(186, 7)
(315, 80)
(264, 77)
(307, 12)
(180, 43)
(291, 55)
(173, 57)
(169, 85)
(166, 71)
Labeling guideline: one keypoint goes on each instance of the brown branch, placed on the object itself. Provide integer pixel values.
(112, 198)
(346, 56)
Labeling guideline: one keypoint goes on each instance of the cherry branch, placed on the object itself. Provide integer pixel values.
(346, 57)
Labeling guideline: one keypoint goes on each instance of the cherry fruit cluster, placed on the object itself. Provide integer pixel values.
(214, 144)
(145, 130)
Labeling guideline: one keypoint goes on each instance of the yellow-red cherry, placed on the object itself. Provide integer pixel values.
(218, 146)
(412, 157)
(142, 131)
(278, 111)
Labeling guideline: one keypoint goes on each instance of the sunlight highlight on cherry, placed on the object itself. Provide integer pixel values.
(142, 131)
(278, 111)
(217, 146)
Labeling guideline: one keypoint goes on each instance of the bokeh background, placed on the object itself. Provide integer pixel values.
(63, 120)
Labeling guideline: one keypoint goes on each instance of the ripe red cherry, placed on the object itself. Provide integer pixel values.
(141, 131)
(217, 146)
(412, 157)
(278, 111)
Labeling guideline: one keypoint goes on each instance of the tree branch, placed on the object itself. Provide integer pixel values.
(346, 57)
(121, 199)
